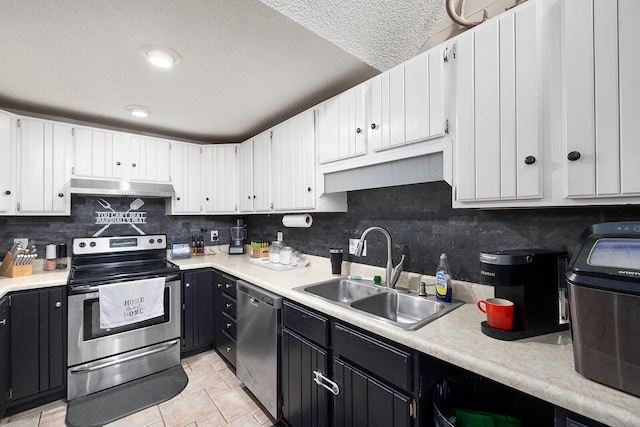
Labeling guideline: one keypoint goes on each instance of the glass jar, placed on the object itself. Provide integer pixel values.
(274, 252)
(285, 255)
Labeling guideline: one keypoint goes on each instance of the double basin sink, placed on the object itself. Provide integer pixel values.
(402, 309)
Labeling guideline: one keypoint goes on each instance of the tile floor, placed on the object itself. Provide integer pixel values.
(213, 398)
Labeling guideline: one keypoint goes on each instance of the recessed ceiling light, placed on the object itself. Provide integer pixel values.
(160, 56)
(138, 110)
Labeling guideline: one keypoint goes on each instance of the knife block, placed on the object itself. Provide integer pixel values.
(7, 268)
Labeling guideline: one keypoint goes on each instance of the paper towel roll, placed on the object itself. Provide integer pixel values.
(300, 221)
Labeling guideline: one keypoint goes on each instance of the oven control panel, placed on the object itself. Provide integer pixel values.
(96, 245)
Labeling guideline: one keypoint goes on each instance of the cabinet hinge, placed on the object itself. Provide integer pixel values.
(73, 170)
(184, 342)
(236, 150)
(271, 205)
(455, 193)
(200, 150)
(9, 300)
(19, 123)
(271, 134)
(412, 409)
(445, 55)
(446, 126)
(18, 206)
(453, 51)
(10, 393)
(73, 131)
(184, 306)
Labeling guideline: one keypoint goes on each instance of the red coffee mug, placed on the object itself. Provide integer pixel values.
(499, 312)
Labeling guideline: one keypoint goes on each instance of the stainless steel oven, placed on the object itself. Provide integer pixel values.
(100, 358)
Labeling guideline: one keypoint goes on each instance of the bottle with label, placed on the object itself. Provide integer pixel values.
(443, 280)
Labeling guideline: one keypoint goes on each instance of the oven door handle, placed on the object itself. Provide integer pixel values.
(92, 368)
(84, 288)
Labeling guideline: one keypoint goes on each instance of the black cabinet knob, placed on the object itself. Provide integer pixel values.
(254, 196)
(373, 126)
(249, 197)
(133, 164)
(8, 192)
(358, 130)
(118, 163)
(60, 194)
(207, 199)
(178, 198)
(573, 156)
(309, 189)
(529, 160)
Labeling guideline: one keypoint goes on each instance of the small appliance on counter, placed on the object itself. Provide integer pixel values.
(533, 279)
(238, 234)
(604, 295)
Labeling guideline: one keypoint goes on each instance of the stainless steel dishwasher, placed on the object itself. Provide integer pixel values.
(258, 344)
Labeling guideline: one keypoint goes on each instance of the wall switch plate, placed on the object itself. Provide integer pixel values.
(352, 247)
(24, 243)
(279, 239)
(214, 235)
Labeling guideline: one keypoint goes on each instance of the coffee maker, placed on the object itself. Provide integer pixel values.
(533, 279)
(238, 234)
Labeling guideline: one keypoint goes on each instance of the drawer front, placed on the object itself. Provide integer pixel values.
(229, 306)
(226, 346)
(229, 285)
(228, 325)
(310, 325)
(381, 359)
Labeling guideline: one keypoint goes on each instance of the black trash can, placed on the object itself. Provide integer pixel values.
(476, 397)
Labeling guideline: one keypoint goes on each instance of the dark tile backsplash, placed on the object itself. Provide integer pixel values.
(419, 218)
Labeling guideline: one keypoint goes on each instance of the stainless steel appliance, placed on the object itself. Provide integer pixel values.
(533, 279)
(604, 296)
(102, 358)
(238, 235)
(258, 341)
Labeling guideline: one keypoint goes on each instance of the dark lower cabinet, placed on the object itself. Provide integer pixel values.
(198, 332)
(225, 316)
(38, 346)
(5, 372)
(304, 402)
(365, 401)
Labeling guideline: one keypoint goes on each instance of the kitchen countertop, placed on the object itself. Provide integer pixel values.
(540, 366)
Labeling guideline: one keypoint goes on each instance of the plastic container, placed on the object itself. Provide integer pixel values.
(285, 255)
(475, 393)
(443, 280)
(274, 252)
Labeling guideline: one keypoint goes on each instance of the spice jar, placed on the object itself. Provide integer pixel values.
(61, 256)
(285, 255)
(50, 258)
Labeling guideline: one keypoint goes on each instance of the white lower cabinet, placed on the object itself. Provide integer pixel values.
(8, 170)
(600, 99)
(220, 178)
(42, 168)
(497, 124)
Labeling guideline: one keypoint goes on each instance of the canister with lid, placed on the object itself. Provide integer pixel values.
(285, 255)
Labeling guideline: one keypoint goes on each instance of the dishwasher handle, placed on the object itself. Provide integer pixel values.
(320, 379)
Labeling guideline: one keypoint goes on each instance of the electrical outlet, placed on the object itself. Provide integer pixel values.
(23, 242)
(214, 235)
(279, 239)
(353, 243)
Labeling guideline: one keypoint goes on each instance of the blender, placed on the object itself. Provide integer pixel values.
(238, 234)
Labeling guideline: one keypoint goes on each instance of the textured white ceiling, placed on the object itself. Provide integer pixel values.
(245, 66)
(382, 33)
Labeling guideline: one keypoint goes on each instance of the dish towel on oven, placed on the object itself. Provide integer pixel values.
(130, 302)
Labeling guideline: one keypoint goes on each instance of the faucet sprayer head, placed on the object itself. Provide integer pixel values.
(359, 248)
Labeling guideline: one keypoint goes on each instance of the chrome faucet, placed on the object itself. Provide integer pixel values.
(392, 273)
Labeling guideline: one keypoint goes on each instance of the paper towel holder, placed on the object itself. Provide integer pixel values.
(297, 220)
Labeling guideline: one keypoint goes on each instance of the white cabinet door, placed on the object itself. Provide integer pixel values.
(416, 98)
(245, 176)
(42, 168)
(149, 159)
(8, 170)
(98, 153)
(341, 126)
(262, 201)
(601, 98)
(497, 124)
(293, 163)
(186, 178)
(220, 178)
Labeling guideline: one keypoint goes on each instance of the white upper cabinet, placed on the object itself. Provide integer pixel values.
(8, 169)
(148, 159)
(97, 153)
(600, 98)
(254, 157)
(42, 157)
(220, 178)
(293, 163)
(186, 178)
(341, 126)
(497, 135)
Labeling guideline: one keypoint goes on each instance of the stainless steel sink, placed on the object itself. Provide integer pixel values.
(404, 310)
(343, 290)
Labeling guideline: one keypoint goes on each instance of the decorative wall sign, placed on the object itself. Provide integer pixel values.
(110, 217)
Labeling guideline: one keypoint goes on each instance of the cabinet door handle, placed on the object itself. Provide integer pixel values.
(309, 189)
(3, 322)
(118, 163)
(529, 160)
(229, 349)
(227, 285)
(320, 379)
(373, 126)
(228, 325)
(178, 198)
(60, 194)
(133, 164)
(187, 285)
(358, 130)
(219, 285)
(8, 192)
(207, 199)
(573, 156)
(58, 304)
(228, 305)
